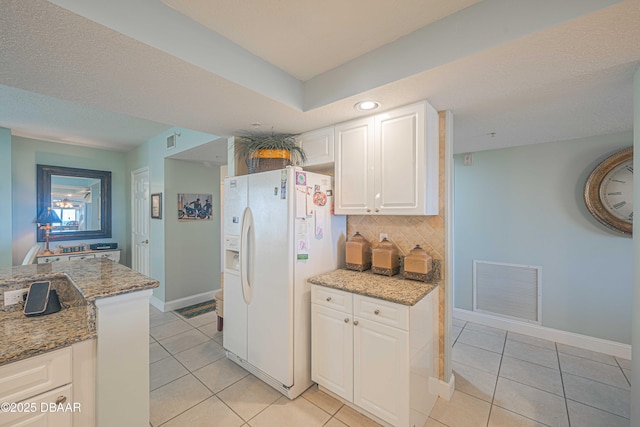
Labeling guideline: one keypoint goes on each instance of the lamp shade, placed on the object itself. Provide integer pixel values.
(47, 216)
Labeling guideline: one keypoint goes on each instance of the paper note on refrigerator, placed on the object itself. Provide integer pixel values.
(319, 223)
(301, 201)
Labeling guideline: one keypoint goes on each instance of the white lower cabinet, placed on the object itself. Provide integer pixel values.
(375, 354)
(50, 389)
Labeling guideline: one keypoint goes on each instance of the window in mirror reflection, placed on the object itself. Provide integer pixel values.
(76, 200)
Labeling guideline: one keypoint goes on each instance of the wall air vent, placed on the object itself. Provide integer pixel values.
(508, 290)
(171, 141)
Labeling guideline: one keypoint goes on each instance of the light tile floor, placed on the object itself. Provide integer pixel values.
(502, 379)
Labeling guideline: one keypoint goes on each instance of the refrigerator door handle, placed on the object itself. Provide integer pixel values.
(245, 253)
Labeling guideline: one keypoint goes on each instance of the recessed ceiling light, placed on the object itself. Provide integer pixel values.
(367, 105)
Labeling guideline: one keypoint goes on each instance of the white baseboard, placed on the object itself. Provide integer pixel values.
(445, 389)
(563, 337)
(182, 302)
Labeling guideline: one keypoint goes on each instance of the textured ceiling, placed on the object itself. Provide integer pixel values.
(527, 73)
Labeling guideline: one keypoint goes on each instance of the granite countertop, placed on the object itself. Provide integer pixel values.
(395, 289)
(22, 337)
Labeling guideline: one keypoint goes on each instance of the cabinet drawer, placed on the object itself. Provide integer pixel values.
(47, 417)
(30, 377)
(45, 260)
(385, 312)
(113, 256)
(332, 298)
(80, 257)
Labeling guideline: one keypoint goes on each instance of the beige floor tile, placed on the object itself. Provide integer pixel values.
(211, 330)
(490, 342)
(539, 342)
(160, 318)
(587, 416)
(169, 329)
(474, 382)
(248, 397)
(153, 310)
(458, 322)
(532, 353)
(502, 418)
(455, 333)
(485, 329)
(176, 397)
(433, 423)
(531, 374)
(532, 403)
(220, 374)
(587, 354)
(322, 400)
(290, 413)
(183, 341)
(593, 370)
(203, 319)
(157, 352)
(476, 358)
(624, 363)
(201, 355)
(211, 412)
(334, 422)
(353, 418)
(164, 371)
(602, 396)
(461, 411)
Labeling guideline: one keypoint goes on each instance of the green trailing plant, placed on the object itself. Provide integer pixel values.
(250, 143)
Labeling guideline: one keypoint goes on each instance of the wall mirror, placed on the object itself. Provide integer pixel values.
(80, 197)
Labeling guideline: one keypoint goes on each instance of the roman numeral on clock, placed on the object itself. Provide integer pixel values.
(630, 168)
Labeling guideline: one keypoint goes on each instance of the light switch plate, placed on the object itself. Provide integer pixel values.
(13, 297)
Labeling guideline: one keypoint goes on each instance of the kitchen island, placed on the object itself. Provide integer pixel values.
(100, 337)
(374, 344)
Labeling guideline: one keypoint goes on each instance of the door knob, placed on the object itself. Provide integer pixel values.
(145, 241)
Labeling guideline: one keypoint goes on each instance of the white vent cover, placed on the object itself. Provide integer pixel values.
(171, 141)
(507, 290)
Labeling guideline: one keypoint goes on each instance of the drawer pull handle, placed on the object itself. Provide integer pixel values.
(61, 399)
(346, 320)
(328, 299)
(376, 312)
(355, 323)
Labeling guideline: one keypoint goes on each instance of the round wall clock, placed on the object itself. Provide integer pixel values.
(608, 192)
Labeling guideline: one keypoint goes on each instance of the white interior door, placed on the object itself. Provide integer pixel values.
(140, 220)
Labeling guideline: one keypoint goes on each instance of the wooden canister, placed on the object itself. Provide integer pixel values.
(385, 259)
(358, 251)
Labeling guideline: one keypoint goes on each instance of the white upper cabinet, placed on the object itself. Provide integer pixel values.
(388, 164)
(318, 144)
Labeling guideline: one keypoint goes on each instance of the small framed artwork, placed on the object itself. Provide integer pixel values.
(194, 207)
(156, 206)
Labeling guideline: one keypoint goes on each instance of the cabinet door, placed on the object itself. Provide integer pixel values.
(381, 370)
(399, 161)
(318, 144)
(332, 350)
(354, 167)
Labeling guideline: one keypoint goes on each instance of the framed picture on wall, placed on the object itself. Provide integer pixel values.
(156, 206)
(194, 207)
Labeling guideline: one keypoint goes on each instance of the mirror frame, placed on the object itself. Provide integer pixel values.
(43, 175)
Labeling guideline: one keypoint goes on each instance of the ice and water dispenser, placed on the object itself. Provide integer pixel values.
(232, 254)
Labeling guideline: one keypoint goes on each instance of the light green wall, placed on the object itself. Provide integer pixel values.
(524, 205)
(27, 153)
(192, 249)
(6, 257)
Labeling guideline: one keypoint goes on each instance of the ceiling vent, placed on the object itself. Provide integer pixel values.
(171, 141)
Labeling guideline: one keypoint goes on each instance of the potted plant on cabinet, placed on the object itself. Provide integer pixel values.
(268, 151)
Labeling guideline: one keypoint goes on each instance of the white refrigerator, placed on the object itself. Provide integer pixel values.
(278, 231)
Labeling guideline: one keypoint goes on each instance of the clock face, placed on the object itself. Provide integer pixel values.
(616, 191)
(608, 192)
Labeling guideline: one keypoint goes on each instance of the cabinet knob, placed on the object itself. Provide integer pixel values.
(61, 399)
(368, 210)
(346, 320)
(328, 299)
(377, 210)
(376, 312)
(355, 323)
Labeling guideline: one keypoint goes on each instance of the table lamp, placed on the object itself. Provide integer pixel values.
(44, 221)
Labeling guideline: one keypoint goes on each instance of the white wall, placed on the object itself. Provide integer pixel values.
(6, 233)
(524, 205)
(635, 370)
